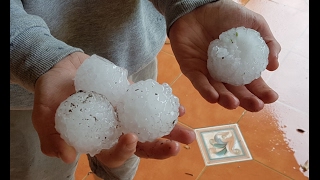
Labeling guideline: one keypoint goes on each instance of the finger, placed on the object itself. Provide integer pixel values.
(203, 86)
(181, 134)
(272, 43)
(274, 50)
(259, 88)
(119, 153)
(158, 149)
(226, 98)
(247, 100)
(182, 110)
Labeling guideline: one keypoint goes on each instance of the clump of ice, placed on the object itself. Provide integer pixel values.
(88, 122)
(105, 106)
(102, 76)
(149, 110)
(238, 57)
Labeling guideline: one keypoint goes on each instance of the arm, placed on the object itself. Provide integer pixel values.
(33, 50)
(174, 9)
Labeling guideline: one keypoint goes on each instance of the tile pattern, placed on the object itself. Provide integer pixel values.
(222, 144)
(277, 137)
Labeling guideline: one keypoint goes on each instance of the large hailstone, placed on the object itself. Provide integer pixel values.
(238, 57)
(149, 110)
(88, 122)
(102, 76)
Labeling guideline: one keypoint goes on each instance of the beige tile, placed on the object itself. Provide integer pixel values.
(282, 55)
(286, 23)
(273, 140)
(301, 47)
(291, 82)
(302, 5)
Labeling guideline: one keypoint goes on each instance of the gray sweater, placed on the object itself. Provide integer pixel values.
(129, 33)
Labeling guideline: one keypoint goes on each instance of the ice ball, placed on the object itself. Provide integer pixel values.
(238, 57)
(102, 76)
(88, 122)
(149, 110)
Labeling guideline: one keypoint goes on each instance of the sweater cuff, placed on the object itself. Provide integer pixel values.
(33, 53)
(180, 8)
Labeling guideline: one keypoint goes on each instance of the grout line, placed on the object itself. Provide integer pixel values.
(85, 177)
(185, 125)
(296, 109)
(272, 169)
(200, 174)
(243, 113)
(175, 79)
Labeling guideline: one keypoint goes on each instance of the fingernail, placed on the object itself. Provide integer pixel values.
(132, 145)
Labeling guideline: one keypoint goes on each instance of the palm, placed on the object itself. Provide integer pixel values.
(190, 36)
(50, 90)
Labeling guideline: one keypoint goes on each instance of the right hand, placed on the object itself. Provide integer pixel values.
(190, 37)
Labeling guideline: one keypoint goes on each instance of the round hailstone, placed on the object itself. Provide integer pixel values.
(149, 110)
(102, 76)
(87, 121)
(238, 57)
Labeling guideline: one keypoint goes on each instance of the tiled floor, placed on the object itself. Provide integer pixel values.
(277, 138)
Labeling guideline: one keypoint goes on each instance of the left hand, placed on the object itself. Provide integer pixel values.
(190, 37)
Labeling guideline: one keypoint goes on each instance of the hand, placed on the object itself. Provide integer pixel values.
(161, 148)
(190, 37)
(51, 89)
(57, 85)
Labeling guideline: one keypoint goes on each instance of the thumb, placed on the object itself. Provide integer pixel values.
(118, 154)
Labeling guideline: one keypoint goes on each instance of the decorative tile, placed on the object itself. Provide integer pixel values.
(222, 144)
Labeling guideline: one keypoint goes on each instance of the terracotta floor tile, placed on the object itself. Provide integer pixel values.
(200, 113)
(243, 2)
(287, 24)
(92, 176)
(187, 165)
(291, 82)
(246, 170)
(167, 48)
(168, 68)
(82, 168)
(273, 140)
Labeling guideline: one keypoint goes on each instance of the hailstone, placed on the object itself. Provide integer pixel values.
(149, 110)
(102, 76)
(88, 122)
(238, 57)
(105, 106)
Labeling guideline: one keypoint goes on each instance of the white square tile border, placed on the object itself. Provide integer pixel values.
(222, 144)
